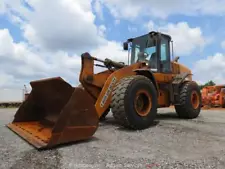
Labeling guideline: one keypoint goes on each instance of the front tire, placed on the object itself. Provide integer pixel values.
(134, 102)
(190, 101)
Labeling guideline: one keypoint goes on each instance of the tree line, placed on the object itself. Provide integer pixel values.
(209, 83)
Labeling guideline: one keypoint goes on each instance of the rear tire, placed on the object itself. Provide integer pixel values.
(190, 101)
(134, 102)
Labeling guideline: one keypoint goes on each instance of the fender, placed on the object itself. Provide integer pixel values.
(148, 73)
(178, 80)
(181, 78)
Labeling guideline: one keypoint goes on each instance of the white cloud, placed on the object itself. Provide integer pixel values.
(150, 26)
(58, 25)
(102, 30)
(18, 53)
(2, 7)
(5, 79)
(21, 63)
(186, 39)
(10, 7)
(131, 9)
(53, 30)
(210, 68)
(98, 9)
(112, 50)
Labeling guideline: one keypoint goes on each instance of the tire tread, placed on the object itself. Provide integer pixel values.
(183, 110)
(118, 95)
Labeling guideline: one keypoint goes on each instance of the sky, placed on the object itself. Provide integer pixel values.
(41, 39)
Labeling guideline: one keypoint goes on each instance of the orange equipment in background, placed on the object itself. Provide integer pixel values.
(213, 96)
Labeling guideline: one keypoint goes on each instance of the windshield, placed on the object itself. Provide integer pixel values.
(143, 49)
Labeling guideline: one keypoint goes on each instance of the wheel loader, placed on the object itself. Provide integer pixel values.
(56, 112)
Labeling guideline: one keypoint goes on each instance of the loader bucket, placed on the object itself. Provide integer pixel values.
(55, 113)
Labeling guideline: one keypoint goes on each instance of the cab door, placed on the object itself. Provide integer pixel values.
(164, 76)
(165, 65)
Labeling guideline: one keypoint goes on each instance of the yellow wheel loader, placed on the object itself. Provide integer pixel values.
(55, 112)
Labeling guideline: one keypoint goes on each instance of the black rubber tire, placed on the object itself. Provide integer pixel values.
(185, 109)
(122, 102)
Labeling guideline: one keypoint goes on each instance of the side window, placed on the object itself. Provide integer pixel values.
(134, 53)
(137, 50)
(163, 52)
(150, 51)
(165, 56)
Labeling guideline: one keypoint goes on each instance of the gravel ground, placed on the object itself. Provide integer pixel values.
(170, 143)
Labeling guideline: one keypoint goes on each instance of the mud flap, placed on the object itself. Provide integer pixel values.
(55, 113)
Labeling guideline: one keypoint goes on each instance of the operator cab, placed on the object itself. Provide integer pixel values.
(153, 49)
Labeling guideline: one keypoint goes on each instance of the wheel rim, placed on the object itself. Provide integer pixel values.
(195, 100)
(143, 103)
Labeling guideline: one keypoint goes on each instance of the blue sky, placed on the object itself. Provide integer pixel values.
(40, 39)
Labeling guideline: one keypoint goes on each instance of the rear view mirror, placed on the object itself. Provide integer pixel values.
(125, 46)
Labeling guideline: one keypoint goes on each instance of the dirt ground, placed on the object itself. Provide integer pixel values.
(169, 143)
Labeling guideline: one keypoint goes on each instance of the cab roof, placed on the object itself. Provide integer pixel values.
(151, 33)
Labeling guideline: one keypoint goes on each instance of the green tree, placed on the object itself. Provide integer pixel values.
(209, 83)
